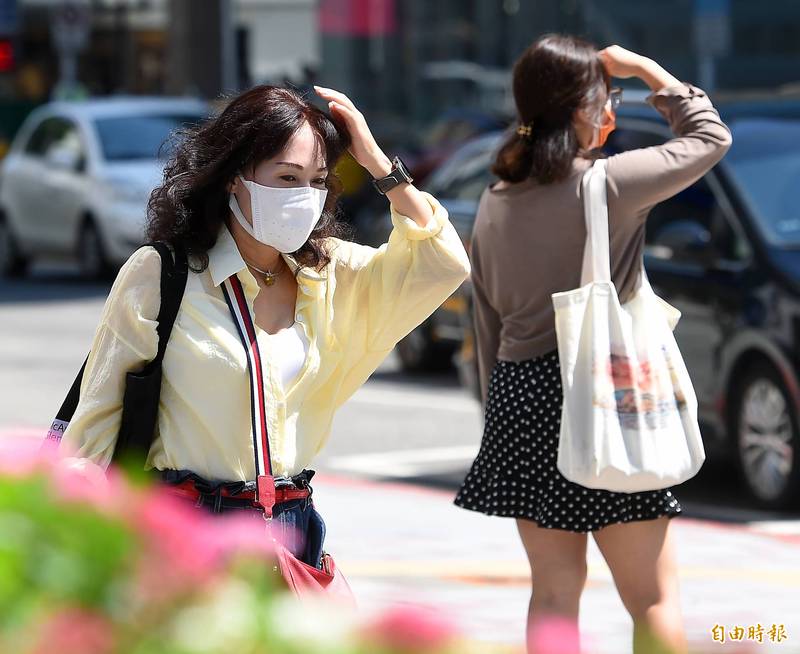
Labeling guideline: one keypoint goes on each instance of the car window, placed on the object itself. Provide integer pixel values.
(469, 179)
(44, 134)
(470, 187)
(56, 133)
(126, 138)
(65, 136)
(690, 227)
(622, 139)
(671, 222)
(458, 167)
(764, 166)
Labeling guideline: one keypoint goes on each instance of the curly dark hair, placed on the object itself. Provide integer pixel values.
(191, 203)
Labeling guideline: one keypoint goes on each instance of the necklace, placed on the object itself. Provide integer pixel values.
(269, 277)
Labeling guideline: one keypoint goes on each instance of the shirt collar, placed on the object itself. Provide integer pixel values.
(225, 260)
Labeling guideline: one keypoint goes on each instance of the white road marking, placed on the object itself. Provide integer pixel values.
(776, 527)
(400, 397)
(425, 461)
(405, 463)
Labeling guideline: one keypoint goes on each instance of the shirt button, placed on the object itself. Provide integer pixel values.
(305, 289)
(298, 318)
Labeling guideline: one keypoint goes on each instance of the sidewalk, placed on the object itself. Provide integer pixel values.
(406, 544)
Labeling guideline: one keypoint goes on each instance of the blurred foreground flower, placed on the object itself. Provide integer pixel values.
(554, 635)
(93, 564)
(76, 631)
(410, 630)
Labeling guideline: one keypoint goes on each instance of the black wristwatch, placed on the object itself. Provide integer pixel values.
(399, 175)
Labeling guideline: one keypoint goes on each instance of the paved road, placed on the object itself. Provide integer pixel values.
(409, 440)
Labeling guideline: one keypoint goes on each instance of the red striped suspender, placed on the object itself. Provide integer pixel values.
(240, 311)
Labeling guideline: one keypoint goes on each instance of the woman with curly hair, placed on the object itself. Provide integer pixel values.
(251, 196)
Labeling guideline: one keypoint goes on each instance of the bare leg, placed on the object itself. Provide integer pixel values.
(558, 572)
(641, 557)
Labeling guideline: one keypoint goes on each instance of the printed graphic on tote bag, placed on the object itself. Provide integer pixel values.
(630, 389)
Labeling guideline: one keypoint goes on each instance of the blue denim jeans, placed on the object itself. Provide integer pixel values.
(296, 523)
(301, 529)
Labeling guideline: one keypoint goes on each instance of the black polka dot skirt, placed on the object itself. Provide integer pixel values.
(515, 473)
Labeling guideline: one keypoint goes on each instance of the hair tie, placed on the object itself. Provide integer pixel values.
(525, 130)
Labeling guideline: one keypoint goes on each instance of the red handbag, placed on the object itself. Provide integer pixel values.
(305, 581)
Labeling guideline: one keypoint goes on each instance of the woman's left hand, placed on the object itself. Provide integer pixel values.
(362, 144)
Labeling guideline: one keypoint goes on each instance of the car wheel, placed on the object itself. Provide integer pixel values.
(12, 262)
(419, 353)
(766, 438)
(92, 258)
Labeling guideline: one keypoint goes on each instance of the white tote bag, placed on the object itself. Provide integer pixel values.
(629, 418)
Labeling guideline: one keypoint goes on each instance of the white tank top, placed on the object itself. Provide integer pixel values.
(289, 351)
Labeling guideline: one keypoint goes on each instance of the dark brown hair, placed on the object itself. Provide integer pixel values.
(191, 203)
(553, 78)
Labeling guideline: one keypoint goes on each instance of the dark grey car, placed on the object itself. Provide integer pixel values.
(726, 252)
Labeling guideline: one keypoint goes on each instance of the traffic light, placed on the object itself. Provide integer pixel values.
(6, 55)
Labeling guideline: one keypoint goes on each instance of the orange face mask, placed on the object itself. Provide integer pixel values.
(607, 127)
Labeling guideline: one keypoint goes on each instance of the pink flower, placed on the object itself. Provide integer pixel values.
(173, 520)
(182, 535)
(77, 480)
(72, 479)
(243, 534)
(176, 557)
(554, 635)
(75, 631)
(20, 457)
(186, 548)
(410, 629)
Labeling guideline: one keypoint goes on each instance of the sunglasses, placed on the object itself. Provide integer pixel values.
(615, 97)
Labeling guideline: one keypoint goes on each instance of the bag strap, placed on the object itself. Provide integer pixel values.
(173, 283)
(240, 311)
(596, 258)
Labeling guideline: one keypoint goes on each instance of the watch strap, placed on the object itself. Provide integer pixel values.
(397, 176)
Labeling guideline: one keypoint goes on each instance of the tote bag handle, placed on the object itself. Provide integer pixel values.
(596, 258)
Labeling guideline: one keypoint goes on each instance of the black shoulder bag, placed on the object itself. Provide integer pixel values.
(142, 388)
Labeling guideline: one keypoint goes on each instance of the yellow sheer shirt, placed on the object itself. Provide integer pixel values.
(353, 311)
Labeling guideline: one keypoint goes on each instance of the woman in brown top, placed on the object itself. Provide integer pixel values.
(528, 244)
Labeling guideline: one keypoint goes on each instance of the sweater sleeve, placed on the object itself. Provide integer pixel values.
(487, 323)
(641, 178)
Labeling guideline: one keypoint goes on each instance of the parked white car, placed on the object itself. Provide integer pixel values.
(78, 176)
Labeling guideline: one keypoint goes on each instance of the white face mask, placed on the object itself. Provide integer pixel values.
(282, 217)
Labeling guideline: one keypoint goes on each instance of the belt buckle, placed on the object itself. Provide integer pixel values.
(265, 494)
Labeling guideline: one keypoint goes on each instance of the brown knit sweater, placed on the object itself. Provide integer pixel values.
(528, 238)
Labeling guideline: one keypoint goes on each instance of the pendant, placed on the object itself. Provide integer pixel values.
(269, 279)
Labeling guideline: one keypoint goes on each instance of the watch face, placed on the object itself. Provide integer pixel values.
(401, 167)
